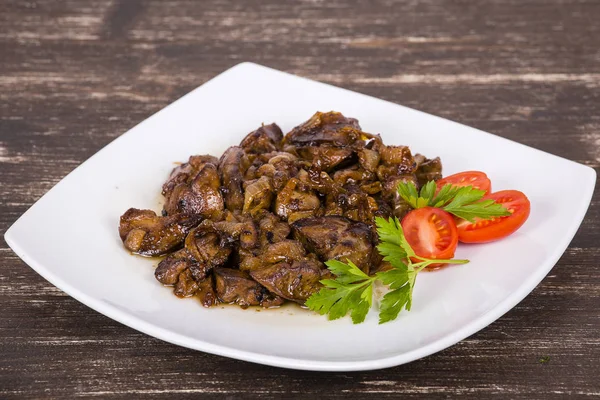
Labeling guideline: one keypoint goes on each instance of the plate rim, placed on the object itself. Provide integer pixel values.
(130, 320)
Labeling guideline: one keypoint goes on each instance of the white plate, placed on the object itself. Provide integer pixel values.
(70, 235)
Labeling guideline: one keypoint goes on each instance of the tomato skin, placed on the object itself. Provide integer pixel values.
(431, 232)
(484, 231)
(477, 179)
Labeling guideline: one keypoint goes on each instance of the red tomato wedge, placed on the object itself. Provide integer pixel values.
(431, 232)
(477, 179)
(484, 231)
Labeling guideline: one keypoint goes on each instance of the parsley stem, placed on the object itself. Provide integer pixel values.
(440, 261)
(451, 261)
(419, 266)
(363, 283)
(425, 265)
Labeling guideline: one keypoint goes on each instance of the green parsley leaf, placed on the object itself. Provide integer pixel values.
(394, 302)
(391, 253)
(428, 192)
(352, 290)
(462, 201)
(445, 195)
(390, 233)
(465, 195)
(359, 313)
(388, 230)
(337, 299)
(401, 280)
(408, 192)
(346, 273)
(485, 209)
(396, 277)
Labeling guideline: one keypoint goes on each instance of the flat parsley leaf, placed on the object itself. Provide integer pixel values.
(484, 209)
(391, 234)
(351, 291)
(394, 302)
(428, 192)
(462, 201)
(445, 195)
(346, 273)
(391, 253)
(409, 193)
(400, 279)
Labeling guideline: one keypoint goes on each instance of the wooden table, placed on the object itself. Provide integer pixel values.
(76, 74)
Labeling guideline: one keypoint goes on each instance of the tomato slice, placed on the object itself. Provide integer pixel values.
(477, 179)
(431, 232)
(483, 231)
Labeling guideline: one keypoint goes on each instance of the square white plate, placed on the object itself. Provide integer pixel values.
(70, 235)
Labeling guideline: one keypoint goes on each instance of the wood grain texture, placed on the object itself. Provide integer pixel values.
(76, 74)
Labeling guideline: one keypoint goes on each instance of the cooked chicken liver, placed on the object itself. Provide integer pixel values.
(339, 238)
(255, 226)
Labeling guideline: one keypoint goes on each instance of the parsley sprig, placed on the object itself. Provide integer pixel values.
(352, 290)
(465, 202)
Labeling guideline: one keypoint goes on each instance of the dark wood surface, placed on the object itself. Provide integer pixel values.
(76, 74)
